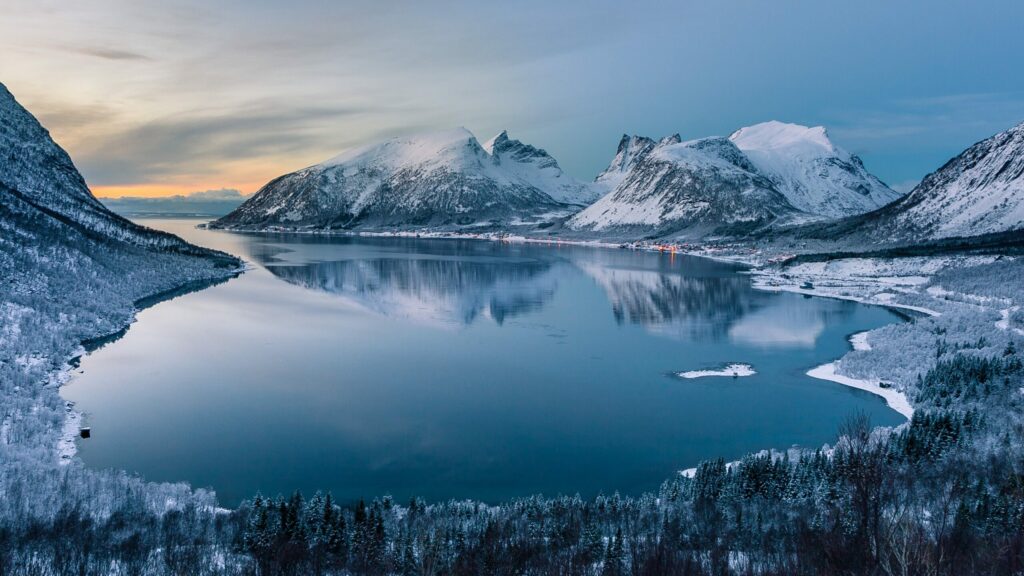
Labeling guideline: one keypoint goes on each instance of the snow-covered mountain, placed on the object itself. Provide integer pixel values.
(443, 179)
(815, 175)
(696, 188)
(40, 182)
(762, 175)
(980, 191)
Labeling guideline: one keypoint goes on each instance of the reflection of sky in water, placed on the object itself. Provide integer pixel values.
(460, 369)
(787, 322)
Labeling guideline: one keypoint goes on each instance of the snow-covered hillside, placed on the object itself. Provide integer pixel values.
(690, 189)
(815, 175)
(443, 179)
(70, 272)
(980, 191)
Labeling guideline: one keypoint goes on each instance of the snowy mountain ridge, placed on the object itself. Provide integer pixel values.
(978, 192)
(769, 176)
(427, 180)
(778, 173)
(40, 174)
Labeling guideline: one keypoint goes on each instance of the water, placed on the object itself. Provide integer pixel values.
(460, 369)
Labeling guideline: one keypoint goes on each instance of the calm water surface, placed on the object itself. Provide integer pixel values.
(460, 369)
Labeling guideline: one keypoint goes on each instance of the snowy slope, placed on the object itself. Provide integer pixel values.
(815, 175)
(442, 179)
(980, 191)
(686, 189)
(538, 168)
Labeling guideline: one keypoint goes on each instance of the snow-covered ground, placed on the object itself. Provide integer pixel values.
(731, 370)
(1004, 320)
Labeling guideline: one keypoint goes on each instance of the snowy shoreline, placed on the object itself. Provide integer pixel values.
(895, 399)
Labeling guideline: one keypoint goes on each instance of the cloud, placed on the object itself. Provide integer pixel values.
(198, 144)
(110, 53)
(221, 194)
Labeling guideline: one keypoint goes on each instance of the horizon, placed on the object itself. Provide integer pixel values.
(158, 99)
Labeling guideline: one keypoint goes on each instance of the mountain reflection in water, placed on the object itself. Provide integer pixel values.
(460, 282)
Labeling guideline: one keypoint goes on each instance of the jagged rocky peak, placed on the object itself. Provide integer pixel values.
(503, 147)
(816, 176)
(538, 168)
(630, 149)
(501, 141)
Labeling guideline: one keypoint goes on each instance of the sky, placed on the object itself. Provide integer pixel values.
(165, 97)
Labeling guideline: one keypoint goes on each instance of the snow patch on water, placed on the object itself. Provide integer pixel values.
(734, 370)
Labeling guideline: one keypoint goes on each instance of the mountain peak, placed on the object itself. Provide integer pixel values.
(440, 179)
(540, 169)
(775, 135)
(816, 176)
(630, 148)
